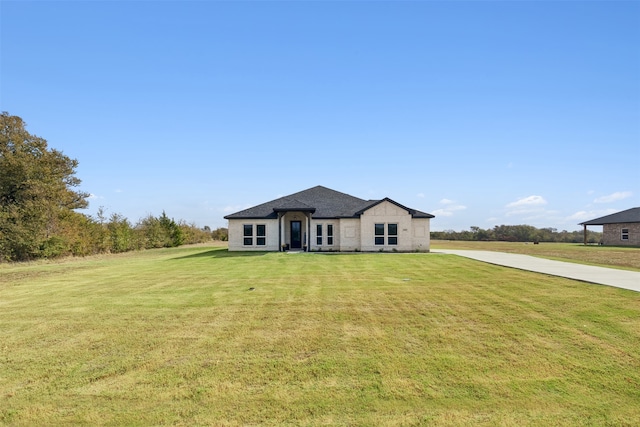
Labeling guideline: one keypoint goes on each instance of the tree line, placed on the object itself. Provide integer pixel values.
(518, 233)
(39, 203)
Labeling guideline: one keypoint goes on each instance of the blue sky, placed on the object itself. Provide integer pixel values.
(479, 112)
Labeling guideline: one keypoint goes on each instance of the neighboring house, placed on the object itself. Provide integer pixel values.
(321, 219)
(618, 229)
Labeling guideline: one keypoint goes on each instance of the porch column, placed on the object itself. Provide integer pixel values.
(282, 231)
(585, 234)
(279, 231)
(306, 234)
(309, 233)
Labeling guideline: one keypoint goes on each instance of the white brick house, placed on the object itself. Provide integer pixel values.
(321, 219)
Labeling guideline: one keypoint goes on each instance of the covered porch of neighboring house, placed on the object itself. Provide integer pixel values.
(294, 227)
(585, 234)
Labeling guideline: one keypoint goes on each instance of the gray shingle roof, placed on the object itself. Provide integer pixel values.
(630, 215)
(321, 201)
(414, 213)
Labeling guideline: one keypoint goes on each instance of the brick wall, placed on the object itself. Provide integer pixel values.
(612, 234)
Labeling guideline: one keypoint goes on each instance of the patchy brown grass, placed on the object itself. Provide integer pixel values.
(607, 256)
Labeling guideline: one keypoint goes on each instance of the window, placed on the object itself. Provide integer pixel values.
(392, 232)
(248, 235)
(379, 232)
(329, 234)
(624, 235)
(319, 234)
(391, 235)
(261, 233)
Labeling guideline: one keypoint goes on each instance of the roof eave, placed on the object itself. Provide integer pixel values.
(312, 210)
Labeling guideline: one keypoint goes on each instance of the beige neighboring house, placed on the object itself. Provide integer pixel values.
(618, 229)
(321, 219)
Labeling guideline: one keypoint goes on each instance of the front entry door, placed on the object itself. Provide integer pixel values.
(296, 235)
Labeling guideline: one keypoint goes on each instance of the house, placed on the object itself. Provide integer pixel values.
(321, 219)
(619, 229)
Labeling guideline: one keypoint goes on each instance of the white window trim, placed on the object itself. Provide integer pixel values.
(319, 237)
(245, 237)
(324, 235)
(254, 235)
(263, 236)
(624, 234)
(385, 237)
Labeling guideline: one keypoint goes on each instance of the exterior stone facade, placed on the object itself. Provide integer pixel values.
(613, 234)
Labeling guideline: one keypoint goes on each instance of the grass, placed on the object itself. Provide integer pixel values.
(627, 258)
(177, 337)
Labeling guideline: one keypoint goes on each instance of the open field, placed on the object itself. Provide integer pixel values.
(177, 337)
(607, 256)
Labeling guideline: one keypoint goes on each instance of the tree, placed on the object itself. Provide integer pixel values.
(172, 231)
(220, 233)
(36, 192)
(120, 233)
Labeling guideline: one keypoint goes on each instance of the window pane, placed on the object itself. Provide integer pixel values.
(248, 230)
(380, 230)
(261, 241)
(319, 229)
(330, 240)
(248, 241)
(393, 229)
(329, 230)
(393, 240)
(319, 240)
(261, 230)
(379, 240)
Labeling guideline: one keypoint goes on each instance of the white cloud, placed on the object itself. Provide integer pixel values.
(93, 197)
(582, 216)
(420, 195)
(442, 212)
(232, 209)
(449, 208)
(618, 195)
(528, 201)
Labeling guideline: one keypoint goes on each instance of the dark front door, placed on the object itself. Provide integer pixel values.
(296, 235)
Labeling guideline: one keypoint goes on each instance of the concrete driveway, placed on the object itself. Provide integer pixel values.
(587, 273)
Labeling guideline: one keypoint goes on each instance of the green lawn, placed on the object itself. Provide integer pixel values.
(177, 337)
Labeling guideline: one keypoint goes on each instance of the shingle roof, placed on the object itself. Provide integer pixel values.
(630, 215)
(321, 201)
(414, 213)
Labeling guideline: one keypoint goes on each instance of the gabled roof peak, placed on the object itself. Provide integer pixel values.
(413, 212)
(323, 202)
